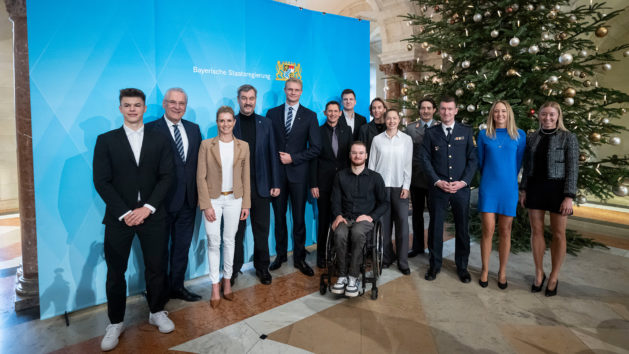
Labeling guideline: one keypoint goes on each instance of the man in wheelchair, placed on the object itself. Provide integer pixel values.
(358, 199)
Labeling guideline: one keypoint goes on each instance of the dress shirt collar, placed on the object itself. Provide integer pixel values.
(429, 123)
(445, 128)
(170, 123)
(130, 131)
(295, 108)
(348, 115)
(397, 135)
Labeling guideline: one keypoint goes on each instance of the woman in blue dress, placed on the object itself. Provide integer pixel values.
(500, 150)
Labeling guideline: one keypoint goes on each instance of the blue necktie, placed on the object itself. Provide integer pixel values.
(179, 142)
(289, 120)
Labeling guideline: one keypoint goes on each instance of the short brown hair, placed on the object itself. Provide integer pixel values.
(224, 109)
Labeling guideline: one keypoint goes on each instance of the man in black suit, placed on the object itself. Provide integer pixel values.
(449, 162)
(336, 140)
(181, 203)
(298, 141)
(419, 186)
(350, 118)
(133, 173)
(264, 167)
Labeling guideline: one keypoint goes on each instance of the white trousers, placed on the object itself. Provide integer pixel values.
(228, 208)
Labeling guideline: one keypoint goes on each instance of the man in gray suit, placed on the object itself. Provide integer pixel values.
(419, 186)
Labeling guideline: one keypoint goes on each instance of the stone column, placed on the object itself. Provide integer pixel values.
(391, 86)
(27, 286)
(410, 73)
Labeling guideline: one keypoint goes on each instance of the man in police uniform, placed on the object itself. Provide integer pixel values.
(449, 160)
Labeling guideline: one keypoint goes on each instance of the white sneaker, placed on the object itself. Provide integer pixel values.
(339, 286)
(110, 340)
(161, 320)
(351, 290)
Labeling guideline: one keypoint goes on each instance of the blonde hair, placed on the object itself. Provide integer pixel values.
(295, 80)
(555, 105)
(512, 128)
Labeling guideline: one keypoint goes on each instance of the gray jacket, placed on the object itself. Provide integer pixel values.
(416, 131)
(563, 159)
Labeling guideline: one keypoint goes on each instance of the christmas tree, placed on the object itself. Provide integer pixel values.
(527, 53)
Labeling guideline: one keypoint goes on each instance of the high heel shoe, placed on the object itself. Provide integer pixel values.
(503, 285)
(483, 284)
(228, 296)
(214, 303)
(537, 289)
(553, 292)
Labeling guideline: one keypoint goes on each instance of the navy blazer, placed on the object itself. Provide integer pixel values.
(303, 143)
(449, 161)
(267, 160)
(185, 185)
(324, 167)
(118, 178)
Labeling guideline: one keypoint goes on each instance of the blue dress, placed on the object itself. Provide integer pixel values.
(499, 161)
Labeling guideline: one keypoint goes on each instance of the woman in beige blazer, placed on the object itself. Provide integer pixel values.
(223, 185)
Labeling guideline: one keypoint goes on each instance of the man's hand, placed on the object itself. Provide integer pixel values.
(445, 186)
(364, 217)
(285, 158)
(137, 216)
(274, 192)
(455, 186)
(339, 219)
(405, 193)
(129, 219)
(315, 192)
(522, 198)
(243, 214)
(210, 215)
(566, 206)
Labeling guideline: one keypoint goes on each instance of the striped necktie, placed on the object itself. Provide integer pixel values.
(179, 142)
(289, 120)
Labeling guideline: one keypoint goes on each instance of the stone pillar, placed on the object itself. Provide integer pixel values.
(410, 73)
(27, 286)
(391, 86)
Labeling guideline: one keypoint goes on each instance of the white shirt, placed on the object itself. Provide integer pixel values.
(184, 137)
(392, 158)
(349, 119)
(445, 128)
(135, 138)
(227, 163)
(295, 107)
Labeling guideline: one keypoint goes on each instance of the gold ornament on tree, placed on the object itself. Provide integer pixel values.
(569, 92)
(595, 137)
(471, 86)
(601, 32)
(409, 47)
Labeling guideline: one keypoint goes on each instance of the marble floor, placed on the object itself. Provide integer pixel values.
(411, 315)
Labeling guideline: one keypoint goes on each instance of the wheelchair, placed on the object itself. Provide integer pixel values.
(370, 269)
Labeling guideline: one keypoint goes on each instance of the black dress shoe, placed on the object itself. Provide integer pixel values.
(264, 276)
(431, 274)
(183, 294)
(304, 268)
(537, 289)
(553, 292)
(414, 253)
(483, 284)
(405, 271)
(464, 276)
(277, 263)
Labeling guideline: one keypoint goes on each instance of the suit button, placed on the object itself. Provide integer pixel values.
(450, 177)
(450, 167)
(449, 145)
(449, 156)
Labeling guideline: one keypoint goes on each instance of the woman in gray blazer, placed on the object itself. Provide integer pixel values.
(549, 183)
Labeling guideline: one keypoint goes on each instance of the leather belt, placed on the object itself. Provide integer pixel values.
(227, 193)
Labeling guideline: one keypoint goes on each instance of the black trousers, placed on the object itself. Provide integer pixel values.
(419, 198)
(438, 208)
(297, 194)
(181, 226)
(153, 236)
(396, 214)
(260, 215)
(324, 207)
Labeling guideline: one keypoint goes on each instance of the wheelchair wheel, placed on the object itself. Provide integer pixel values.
(330, 254)
(377, 252)
(374, 293)
(323, 288)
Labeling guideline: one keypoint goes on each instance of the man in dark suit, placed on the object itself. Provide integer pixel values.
(336, 140)
(181, 203)
(133, 173)
(419, 186)
(449, 161)
(298, 141)
(257, 131)
(350, 118)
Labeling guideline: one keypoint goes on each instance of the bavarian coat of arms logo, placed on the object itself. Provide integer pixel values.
(286, 70)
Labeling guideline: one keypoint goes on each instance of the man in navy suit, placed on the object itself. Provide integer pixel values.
(257, 131)
(181, 203)
(297, 140)
(133, 173)
(336, 140)
(449, 162)
(349, 117)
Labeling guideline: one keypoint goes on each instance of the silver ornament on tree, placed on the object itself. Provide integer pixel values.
(553, 79)
(620, 190)
(572, 18)
(565, 59)
(465, 64)
(458, 92)
(471, 86)
(533, 49)
(471, 108)
(607, 66)
(625, 53)
(482, 126)
(546, 36)
(494, 33)
(615, 140)
(581, 199)
(530, 7)
(477, 17)
(569, 101)
(514, 42)
(605, 121)
(583, 53)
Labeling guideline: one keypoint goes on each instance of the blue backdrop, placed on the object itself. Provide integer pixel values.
(82, 52)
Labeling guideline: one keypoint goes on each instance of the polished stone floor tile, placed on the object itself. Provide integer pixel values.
(543, 339)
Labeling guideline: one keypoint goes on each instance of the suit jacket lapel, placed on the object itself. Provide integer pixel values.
(215, 149)
(187, 127)
(126, 146)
